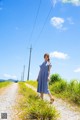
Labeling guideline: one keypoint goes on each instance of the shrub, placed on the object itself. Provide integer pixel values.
(41, 110)
(55, 78)
(74, 91)
(59, 87)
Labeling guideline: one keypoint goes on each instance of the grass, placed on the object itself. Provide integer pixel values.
(32, 107)
(4, 84)
(33, 83)
(68, 91)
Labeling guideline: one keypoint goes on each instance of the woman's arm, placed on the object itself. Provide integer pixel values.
(49, 68)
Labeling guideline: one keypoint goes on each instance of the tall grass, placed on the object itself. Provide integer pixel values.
(74, 91)
(33, 83)
(59, 87)
(32, 107)
(4, 84)
(67, 90)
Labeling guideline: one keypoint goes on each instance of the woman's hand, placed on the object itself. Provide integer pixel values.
(48, 78)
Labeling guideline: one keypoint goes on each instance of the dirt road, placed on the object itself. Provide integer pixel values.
(8, 101)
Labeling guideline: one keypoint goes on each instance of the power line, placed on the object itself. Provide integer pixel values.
(43, 26)
(34, 23)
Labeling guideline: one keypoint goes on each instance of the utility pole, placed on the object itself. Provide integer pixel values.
(23, 71)
(29, 63)
(21, 76)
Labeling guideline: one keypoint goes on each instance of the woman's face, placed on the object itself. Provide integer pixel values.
(46, 58)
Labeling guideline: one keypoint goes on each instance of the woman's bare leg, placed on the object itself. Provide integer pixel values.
(41, 95)
(51, 97)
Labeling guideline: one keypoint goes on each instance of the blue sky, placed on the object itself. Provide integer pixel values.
(59, 38)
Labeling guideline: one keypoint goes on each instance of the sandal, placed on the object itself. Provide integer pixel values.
(51, 100)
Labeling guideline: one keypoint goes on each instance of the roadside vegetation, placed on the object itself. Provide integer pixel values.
(69, 91)
(4, 84)
(33, 83)
(31, 107)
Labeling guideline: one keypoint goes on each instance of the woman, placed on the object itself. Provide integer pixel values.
(43, 78)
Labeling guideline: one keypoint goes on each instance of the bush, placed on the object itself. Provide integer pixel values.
(55, 78)
(59, 87)
(41, 110)
(74, 91)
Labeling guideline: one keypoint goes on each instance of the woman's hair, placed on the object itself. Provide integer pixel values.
(46, 54)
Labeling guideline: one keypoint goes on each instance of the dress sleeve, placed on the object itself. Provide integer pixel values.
(49, 68)
(50, 65)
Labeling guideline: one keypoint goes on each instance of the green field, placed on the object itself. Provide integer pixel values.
(4, 84)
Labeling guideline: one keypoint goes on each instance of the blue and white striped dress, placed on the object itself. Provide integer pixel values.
(43, 78)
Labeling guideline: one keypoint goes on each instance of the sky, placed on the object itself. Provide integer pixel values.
(50, 26)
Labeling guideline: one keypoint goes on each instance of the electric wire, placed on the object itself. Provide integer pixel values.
(38, 37)
(30, 38)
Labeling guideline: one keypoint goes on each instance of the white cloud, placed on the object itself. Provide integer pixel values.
(74, 2)
(69, 19)
(10, 76)
(58, 55)
(58, 22)
(77, 70)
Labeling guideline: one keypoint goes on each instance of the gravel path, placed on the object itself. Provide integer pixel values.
(66, 112)
(8, 100)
